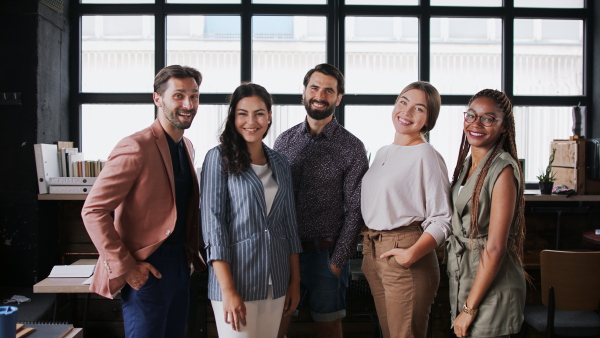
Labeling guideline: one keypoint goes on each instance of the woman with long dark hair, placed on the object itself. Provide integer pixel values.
(487, 281)
(249, 222)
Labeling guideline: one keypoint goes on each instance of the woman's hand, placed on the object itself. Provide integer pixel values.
(292, 298)
(234, 310)
(402, 256)
(462, 323)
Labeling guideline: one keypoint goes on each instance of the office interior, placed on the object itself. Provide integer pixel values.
(61, 72)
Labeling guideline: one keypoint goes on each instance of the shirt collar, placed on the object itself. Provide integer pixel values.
(327, 132)
(172, 143)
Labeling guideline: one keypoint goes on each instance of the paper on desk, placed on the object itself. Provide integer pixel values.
(72, 271)
(88, 281)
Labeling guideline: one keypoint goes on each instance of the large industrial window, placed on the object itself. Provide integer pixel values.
(535, 51)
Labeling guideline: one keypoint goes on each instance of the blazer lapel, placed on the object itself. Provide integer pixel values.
(163, 148)
(257, 187)
(279, 175)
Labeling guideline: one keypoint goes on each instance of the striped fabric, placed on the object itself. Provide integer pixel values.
(237, 229)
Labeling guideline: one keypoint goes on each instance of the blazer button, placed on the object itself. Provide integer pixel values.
(266, 231)
(168, 232)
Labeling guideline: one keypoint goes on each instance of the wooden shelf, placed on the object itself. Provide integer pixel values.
(562, 198)
(62, 197)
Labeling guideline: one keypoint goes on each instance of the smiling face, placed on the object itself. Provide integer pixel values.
(320, 96)
(178, 105)
(478, 135)
(410, 112)
(252, 119)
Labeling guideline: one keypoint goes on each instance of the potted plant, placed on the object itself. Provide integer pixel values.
(547, 177)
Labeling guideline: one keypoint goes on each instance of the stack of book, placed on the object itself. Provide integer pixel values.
(61, 169)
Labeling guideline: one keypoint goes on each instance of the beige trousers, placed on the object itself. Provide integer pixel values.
(403, 296)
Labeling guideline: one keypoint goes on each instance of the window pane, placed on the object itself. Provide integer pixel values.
(476, 3)
(447, 134)
(536, 127)
(103, 125)
(204, 1)
(117, 54)
(465, 54)
(548, 57)
(284, 48)
(208, 124)
(379, 51)
(209, 43)
(383, 2)
(287, 2)
(550, 3)
(117, 1)
(372, 125)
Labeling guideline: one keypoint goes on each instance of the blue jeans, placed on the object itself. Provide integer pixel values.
(327, 291)
(160, 307)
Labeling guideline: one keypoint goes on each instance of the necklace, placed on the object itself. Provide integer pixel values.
(388, 149)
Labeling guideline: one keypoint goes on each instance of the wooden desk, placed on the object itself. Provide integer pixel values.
(591, 237)
(560, 198)
(65, 285)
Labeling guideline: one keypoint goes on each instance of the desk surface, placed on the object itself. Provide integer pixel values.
(65, 285)
(561, 198)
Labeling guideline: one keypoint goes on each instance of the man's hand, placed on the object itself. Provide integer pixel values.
(137, 277)
(337, 271)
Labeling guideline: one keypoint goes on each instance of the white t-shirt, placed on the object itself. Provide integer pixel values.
(265, 174)
(407, 184)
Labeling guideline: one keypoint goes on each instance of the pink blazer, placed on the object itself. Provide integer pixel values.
(137, 184)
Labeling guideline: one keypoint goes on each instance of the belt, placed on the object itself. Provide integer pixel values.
(324, 243)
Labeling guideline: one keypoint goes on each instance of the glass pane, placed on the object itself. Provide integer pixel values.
(475, 3)
(103, 125)
(550, 3)
(536, 127)
(117, 54)
(548, 57)
(287, 2)
(447, 134)
(375, 131)
(209, 43)
(284, 48)
(203, 1)
(465, 54)
(383, 2)
(117, 1)
(381, 48)
(208, 125)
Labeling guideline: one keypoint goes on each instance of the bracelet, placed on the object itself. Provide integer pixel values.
(469, 311)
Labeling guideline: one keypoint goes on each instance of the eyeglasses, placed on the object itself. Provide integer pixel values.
(486, 119)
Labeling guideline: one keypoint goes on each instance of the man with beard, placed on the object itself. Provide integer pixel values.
(327, 164)
(150, 183)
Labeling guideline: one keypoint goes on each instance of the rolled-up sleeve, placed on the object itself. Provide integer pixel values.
(438, 209)
(215, 229)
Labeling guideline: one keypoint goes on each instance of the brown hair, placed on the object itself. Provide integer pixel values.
(176, 71)
(330, 70)
(434, 102)
(507, 143)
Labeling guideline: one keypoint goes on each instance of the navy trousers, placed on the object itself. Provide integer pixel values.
(160, 307)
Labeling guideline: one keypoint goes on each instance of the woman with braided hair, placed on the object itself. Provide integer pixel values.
(484, 252)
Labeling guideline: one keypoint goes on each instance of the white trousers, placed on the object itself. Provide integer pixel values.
(262, 318)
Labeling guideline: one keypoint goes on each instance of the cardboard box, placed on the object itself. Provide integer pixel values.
(569, 166)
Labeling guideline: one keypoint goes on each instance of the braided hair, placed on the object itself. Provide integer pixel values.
(507, 143)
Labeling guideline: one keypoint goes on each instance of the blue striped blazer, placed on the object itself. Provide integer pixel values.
(237, 229)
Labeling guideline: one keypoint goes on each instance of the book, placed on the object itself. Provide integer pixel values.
(46, 163)
(63, 160)
(70, 189)
(71, 180)
(73, 270)
(72, 162)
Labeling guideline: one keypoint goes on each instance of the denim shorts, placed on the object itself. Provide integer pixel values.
(326, 291)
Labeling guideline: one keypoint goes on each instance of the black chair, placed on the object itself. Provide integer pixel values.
(570, 294)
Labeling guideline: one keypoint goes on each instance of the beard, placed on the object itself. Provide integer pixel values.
(172, 116)
(318, 114)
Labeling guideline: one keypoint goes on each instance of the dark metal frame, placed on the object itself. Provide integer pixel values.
(336, 12)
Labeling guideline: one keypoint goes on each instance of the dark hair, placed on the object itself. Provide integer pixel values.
(434, 102)
(234, 149)
(507, 143)
(330, 70)
(176, 71)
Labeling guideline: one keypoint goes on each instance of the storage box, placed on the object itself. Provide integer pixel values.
(569, 166)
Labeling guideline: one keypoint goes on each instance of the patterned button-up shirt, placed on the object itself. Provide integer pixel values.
(327, 171)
